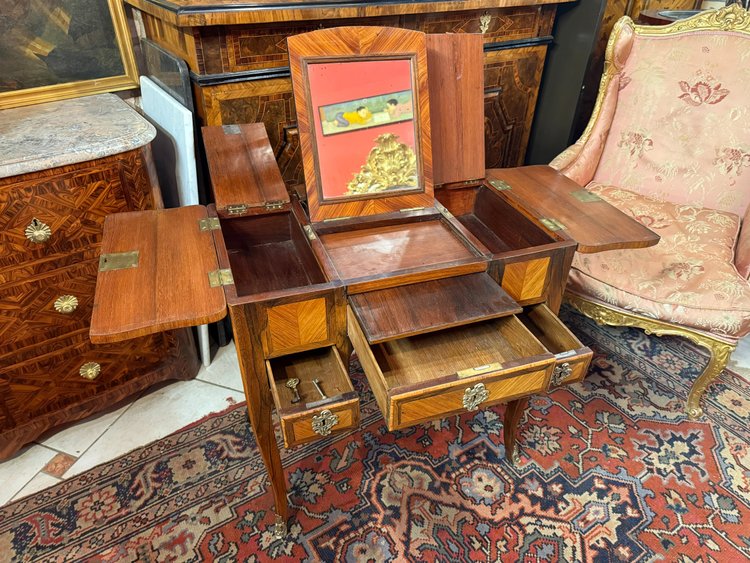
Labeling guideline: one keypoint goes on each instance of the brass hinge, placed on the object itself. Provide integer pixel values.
(553, 224)
(209, 224)
(585, 196)
(220, 277)
(332, 219)
(271, 205)
(406, 210)
(236, 208)
(118, 261)
(309, 232)
(478, 370)
(500, 185)
(231, 129)
(443, 211)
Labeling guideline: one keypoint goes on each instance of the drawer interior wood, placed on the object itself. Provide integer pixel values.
(269, 253)
(392, 248)
(496, 223)
(396, 312)
(427, 357)
(549, 329)
(322, 363)
(312, 417)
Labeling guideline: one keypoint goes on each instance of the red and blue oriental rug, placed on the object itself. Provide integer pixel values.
(611, 470)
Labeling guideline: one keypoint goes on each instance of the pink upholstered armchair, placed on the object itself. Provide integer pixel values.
(669, 144)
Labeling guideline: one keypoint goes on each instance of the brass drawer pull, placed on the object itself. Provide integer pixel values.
(323, 423)
(38, 232)
(561, 373)
(474, 396)
(90, 370)
(66, 304)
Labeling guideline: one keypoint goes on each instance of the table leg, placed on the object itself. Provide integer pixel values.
(260, 405)
(513, 413)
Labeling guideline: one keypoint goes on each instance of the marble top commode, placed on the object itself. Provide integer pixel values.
(54, 134)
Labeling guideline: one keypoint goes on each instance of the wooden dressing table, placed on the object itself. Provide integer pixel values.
(448, 295)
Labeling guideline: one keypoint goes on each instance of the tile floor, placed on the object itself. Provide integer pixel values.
(153, 414)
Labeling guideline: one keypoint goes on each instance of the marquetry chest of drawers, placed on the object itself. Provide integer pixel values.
(65, 166)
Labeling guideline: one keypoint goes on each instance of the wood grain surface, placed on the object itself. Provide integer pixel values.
(170, 286)
(402, 311)
(456, 66)
(359, 42)
(595, 225)
(243, 168)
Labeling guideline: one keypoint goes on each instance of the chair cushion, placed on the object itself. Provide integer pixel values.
(689, 278)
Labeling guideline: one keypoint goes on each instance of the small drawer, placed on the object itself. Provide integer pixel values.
(572, 358)
(428, 376)
(312, 417)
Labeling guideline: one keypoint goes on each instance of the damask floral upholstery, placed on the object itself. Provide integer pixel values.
(670, 145)
(689, 278)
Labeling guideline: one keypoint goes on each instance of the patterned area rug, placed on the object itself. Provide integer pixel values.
(610, 470)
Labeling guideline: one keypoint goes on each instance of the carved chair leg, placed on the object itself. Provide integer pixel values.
(513, 413)
(720, 352)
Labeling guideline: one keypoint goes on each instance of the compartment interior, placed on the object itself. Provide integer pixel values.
(496, 223)
(549, 330)
(425, 357)
(321, 363)
(391, 248)
(269, 253)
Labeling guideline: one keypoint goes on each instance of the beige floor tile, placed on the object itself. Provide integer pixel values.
(39, 482)
(17, 471)
(224, 369)
(75, 438)
(154, 415)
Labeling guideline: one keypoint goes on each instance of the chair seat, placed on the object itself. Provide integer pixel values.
(689, 278)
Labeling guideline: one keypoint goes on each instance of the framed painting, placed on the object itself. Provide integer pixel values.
(363, 116)
(57, 49)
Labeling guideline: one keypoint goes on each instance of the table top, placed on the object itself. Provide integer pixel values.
(44, 136)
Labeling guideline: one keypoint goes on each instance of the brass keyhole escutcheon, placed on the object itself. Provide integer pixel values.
(323, 423)
(90, 370)
(474, 396)
(38, 232)
(561, 373)
(66, 304)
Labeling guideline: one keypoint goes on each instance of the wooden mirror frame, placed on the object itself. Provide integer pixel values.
(350, 44)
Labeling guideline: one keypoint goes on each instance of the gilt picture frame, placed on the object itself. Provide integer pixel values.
(63, 49)
(362, 106)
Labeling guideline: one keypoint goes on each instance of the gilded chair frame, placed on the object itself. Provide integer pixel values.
(734, 19)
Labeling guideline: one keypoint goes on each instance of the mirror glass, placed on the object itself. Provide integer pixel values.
(365, 127)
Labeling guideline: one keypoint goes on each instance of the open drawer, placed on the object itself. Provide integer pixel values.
(312, 417)
(426, 376)
(572, 358)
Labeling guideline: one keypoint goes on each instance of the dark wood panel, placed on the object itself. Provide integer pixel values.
(511, 81)
(429, 306)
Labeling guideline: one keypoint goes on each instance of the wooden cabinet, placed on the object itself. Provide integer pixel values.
(50, 232)
(240, 69)
(448, 295)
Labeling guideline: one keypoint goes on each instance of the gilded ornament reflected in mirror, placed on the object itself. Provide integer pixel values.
(365, 131)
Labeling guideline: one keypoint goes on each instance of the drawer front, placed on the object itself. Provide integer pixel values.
(433, 375)
(304, 415)
(572, 358)
(46, 307)
(527, 280)
(60, 376)
(63, 210)
(300, 325)
(474, 394)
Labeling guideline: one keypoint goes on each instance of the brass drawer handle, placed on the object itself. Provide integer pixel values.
(561, 373)
(66, 304)
(90, 370)
(474, 396)
(38, 232)
(323, 423)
